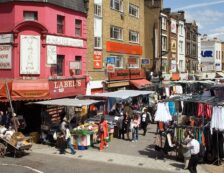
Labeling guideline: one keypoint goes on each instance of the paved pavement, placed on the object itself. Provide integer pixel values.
(125, 153)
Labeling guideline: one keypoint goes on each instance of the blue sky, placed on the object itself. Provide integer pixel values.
(209, 14)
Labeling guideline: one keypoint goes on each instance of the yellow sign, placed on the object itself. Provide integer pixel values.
(173, 46)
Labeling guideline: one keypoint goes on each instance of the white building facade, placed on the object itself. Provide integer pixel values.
(181, 47)
(211, 55)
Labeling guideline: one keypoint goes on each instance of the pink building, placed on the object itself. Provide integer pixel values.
(43, 48)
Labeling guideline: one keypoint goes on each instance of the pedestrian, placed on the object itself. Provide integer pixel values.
(6, 119)
(61, 143)
(194, 147)
(120, 127)
(144, 120)
(63, 124)
(103, 133)
(68, 139)
(135, 125)
(126, 125)
(186, 151)
(15, 122)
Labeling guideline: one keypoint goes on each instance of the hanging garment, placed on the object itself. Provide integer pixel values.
(217, 121)
(162, 113)
(179, 89)
(172, 108)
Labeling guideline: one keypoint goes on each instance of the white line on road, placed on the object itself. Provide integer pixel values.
(35, 170)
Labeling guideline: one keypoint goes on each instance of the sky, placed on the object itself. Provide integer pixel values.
(208, 14)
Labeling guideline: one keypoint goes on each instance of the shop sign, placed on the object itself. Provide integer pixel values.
(173, 66)
(97, 60)
(6, 38)
(64, 41)
(30, 54)
(173, 46)
(110, 68)
(126, 74)
(67, 87)
(145, 61)
(5, 56)
(173, 26)
(207, 54)
(51, 55)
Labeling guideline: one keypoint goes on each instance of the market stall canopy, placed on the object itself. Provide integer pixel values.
(68, 102)
(123, 94)
(140, 84)
(30, 89)
(3, 93)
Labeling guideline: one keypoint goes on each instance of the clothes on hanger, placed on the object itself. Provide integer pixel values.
(217, 121)
(162, 112)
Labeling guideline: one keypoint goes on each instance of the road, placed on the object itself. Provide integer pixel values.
(42, 163)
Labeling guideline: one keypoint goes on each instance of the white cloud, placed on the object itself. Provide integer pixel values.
(217, 32)
(200, 5)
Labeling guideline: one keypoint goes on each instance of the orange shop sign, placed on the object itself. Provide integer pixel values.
(97, 60)
(124, 48)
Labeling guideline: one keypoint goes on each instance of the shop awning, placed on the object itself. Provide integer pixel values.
(2, 89)
(123, 94)
(140, 84)
(68, 102)
(3, 93)
(30, 89)
(220, 74)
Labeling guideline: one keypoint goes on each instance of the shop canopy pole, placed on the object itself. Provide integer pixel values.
(9, 97)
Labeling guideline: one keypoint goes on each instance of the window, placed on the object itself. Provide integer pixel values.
(118, 61)
(134, 36)
(181, 65)
(78, 28)
(164, 43)
(30, 15)
(133, 10)
(181, 29)
(188, 48)
(133, 62)
(78, 65)
(60, 24)
(164, 23)
(97, 42)
(181, 46)
(116, 33)
(98, 10)
(60, 65)
(116, 5)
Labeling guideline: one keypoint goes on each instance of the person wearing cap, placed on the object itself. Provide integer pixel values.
(194, 147)
(15, 122)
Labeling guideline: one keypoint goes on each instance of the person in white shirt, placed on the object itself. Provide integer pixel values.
(194, 147)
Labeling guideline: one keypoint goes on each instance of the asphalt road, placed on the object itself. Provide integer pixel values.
(42, 163)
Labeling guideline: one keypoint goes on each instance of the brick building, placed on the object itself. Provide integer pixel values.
(115, 41)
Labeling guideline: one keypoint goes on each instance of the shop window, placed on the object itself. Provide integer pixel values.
(116, 5)
(60, 24)
(78, 66)
(118, 61)
(60, 65)
(97, 10)
(97, 42)
(134, 36)
(30, 15)
(116, 33)
(133, 62)
(133, 10)
(78, 28)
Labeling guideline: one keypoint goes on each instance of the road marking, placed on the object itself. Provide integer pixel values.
(35, 170)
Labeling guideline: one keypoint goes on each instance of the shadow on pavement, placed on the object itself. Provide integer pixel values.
(177, 165)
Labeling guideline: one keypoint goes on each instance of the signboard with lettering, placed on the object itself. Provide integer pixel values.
(5, 56)
(51, 55)
(64, 41)
(29, 54)
(145, 61)
(6, 38)
(67, 87)
(126, 74)
(173, 45)
(207, 54)
(97, 60)
(110, 68)
(173, 26)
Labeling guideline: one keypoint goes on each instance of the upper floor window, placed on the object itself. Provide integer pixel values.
(164, 43)
(78, 27)
(60, 65)
(164, 23)
(116, 33)
(97, 10)
(181, 46)
(116, 5)
(30, 15)
(181, 29)
(60, 24)
(134, 36)
(98, 42)
(133, 61)
(78, 66)
(133, 10)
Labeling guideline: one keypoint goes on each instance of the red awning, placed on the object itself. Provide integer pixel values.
(30, 89)
(140, 84)
(3, 94)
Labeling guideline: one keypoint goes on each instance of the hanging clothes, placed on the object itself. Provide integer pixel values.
(162, 112)
(217, 121)
(172, 108)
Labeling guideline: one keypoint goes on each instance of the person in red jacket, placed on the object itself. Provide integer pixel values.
(103, 133)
